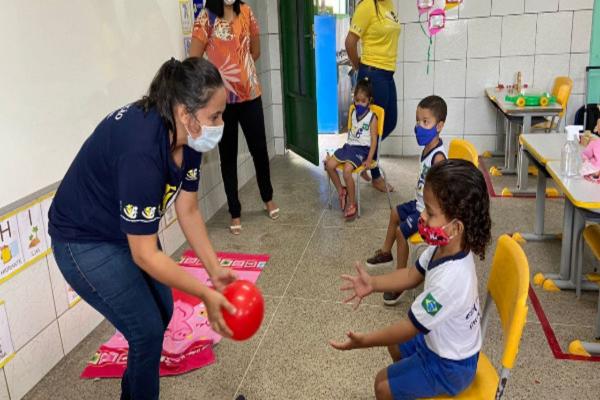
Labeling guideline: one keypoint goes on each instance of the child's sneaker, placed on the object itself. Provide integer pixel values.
(380, 259)
(392, 298)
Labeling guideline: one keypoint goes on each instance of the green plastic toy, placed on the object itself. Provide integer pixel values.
(528, 100)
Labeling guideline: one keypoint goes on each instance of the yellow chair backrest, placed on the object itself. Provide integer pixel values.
(463, 150)
(562, 91)
(508, 286)
(378, 111)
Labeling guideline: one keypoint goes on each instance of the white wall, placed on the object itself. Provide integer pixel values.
(484, 42)
(65, 65)
(269, 69)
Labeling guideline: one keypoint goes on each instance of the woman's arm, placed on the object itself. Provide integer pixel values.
(352, 49)
(194, 229)
(161, 267)
(255, 47)
(197, 48)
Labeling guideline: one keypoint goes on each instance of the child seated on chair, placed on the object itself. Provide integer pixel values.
(358, 150)
(431, 115)
(436, 349)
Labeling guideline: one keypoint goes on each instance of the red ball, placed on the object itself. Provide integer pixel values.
(250, 309)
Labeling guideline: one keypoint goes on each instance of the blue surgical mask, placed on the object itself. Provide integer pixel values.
(208, 140)
(424, 135)
(360, 109)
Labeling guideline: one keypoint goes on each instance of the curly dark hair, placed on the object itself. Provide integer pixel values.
(461, 191)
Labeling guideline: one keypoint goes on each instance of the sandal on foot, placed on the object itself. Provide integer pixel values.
(273, 214)
(235, 229)
(342, 197)
(350, 212)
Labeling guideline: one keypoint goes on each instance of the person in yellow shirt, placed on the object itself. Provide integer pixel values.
(375, 24)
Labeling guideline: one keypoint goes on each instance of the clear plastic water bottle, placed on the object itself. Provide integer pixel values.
(570, 156)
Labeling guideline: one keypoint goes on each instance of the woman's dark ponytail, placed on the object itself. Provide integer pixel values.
(190, 83)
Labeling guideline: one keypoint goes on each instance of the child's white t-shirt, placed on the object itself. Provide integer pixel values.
(424, 167)
(447, 312)
(360, 131)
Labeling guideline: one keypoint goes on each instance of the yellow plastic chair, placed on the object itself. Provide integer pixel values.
(508, 287)
(463, 150)
(562, 91)
(459, 149)
(591, 236)
(380, 113)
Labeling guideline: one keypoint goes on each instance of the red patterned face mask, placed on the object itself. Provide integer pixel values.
(434, 236)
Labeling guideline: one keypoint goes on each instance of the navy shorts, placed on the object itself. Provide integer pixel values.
(354, 155)
(409, 218)
(421, 373)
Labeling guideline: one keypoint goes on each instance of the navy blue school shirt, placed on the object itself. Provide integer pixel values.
(122, 180)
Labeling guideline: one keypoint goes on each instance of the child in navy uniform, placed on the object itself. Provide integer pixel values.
(435, 350)
(431, 116)
(358, 150)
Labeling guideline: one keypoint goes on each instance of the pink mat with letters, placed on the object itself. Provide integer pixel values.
(189, 339)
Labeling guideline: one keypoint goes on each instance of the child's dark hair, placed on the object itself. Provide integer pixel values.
(364, 85)
(461, 192)
(191, 83)
(436, 105)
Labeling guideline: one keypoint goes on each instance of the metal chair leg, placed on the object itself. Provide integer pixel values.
(329, 192)
(358, 193)
(387, 192)
(579, 266)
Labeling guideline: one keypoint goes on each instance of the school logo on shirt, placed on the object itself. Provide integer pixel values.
(431, 305)
(192, 175)
(149, 212)
(130, 211)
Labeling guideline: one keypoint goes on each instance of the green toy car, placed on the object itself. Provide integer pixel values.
(524, 100)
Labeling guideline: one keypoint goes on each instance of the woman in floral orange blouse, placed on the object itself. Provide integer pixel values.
(227, 31)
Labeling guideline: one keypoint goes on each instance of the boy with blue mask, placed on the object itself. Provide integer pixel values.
(403, 222)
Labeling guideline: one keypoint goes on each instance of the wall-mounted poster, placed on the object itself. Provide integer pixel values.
(187, 41)
(198, 4)
(46, 203)
(11, 255)
(31, 231)
(7, 351)
(186, 9)
(72, 296)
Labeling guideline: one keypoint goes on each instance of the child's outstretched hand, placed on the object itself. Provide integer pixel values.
(360, 284)
(355, 341)
(367, 163)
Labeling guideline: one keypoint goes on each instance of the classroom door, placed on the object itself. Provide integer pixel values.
(299, 78)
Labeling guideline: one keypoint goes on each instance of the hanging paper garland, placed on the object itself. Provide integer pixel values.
(424, 5)
(450, 4)
(436, 20)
